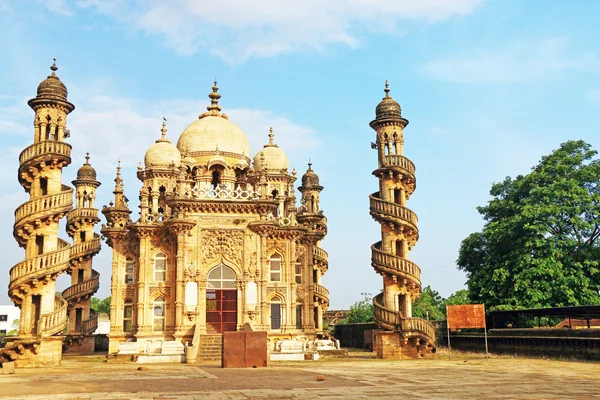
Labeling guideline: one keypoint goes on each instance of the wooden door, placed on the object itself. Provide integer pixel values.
(221, 310)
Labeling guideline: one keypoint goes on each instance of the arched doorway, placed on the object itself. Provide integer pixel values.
(221, 300)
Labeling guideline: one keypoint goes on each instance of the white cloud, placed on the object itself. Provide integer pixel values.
(593, 94)
(518, 62)
(239, 29)
(57, 7)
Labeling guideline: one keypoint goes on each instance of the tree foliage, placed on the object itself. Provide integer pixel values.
(457, 298)
(429, 305)
(100, 306)
(539, 245)
(361, 311)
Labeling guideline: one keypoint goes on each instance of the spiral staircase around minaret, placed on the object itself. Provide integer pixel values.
(399, 228)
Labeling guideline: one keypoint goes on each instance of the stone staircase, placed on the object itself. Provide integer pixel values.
(211, 348)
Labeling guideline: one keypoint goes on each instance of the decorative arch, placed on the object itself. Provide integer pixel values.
(275, 250)
(225, 262)
(156, 292)
(275, 294)
(221, 276)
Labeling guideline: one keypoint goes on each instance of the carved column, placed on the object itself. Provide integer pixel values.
(179, 295)
(201, 317)
(142, 286)
(264, 270)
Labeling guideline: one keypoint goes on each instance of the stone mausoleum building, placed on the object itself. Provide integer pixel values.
(219, 243)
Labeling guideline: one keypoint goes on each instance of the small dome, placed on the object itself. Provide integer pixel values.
(388, 107)
(86, 172)
(310, 178)
(162, 152)
(52, 87)
(271, 156)
(212, 131)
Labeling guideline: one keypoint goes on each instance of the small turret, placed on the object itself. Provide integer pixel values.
(310, 190)
(117, 213)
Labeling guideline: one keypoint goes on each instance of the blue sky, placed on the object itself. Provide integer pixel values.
(488, 87)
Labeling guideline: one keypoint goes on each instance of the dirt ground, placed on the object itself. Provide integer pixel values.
(358, 377)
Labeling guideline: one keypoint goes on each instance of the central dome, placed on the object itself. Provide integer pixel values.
(213, 133)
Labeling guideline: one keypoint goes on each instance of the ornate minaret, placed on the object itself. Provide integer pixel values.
(311, 215)
(410, 337)
(86, 244)
(32, 284)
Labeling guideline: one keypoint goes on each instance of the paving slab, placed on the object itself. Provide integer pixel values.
(354, 378)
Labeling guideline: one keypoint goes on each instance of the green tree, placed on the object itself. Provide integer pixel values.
(101, 306)
(539, 245)
(429, 305)
(457, 298)
(361, 311)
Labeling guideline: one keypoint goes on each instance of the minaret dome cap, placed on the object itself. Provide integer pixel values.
(388, 107)
(86, 172)
(52, 87)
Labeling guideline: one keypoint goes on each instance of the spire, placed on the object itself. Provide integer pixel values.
(387, 90)
(271, 136)
(214, 108)
(163, 132)
(87, 157)
(309, 165)
(118, 180)
(54, 68)
(120, 199)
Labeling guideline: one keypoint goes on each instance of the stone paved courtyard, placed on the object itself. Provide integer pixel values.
(355, 378)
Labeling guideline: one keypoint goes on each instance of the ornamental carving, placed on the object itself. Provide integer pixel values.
(128, 293)
(277, 289)
(160, 292)
(300, 294)
(220, 221)
(226, 243)
(299, 251)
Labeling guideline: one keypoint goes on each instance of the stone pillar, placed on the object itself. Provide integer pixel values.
(408, 306)
(389, 294)
(142, 287)
(319, 317)
(179, 295)
(201, 316)
(264, 271)
(26, 316)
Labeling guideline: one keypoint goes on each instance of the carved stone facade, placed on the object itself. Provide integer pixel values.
(219, 244)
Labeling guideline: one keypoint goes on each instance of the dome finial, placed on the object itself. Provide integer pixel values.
(214, 99)
(163, 132)
(309, 165)
(271, 135)
(87, 158)
(387, 89)
(54, 67)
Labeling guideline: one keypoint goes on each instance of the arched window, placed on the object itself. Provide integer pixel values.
(298, 271)
(275, 314)
(127, 316)
(160, 267)
(129, 271)
(221, 277)
(158, 313)
(275, 268)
